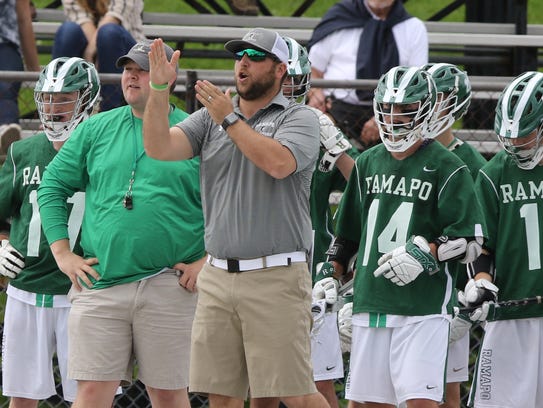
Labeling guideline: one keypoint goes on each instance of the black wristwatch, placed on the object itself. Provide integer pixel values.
(229, 120)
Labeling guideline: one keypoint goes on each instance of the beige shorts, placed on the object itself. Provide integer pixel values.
(252, 330)
(149, 320)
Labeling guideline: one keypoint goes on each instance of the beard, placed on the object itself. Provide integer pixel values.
(257, 89)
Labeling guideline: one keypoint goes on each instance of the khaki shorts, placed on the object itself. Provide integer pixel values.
(149, 320)
(252, 330)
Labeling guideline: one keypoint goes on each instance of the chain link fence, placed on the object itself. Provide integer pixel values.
(475, 128)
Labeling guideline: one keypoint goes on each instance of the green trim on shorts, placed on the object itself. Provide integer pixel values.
(377, 320)
(44, 300)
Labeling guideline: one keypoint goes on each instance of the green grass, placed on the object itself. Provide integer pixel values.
(419, 8)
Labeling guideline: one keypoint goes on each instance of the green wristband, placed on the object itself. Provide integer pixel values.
(156, 87)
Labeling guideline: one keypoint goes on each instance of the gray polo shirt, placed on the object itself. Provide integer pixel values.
(248, 213)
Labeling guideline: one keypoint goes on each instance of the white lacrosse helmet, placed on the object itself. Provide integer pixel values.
(65, 75)
(453, 96)
(519, 113)
(296, 86)
(403, 104)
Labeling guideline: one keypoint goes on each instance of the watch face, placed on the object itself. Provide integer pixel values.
(232, 118)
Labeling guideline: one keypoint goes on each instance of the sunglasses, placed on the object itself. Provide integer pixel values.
(253, 55)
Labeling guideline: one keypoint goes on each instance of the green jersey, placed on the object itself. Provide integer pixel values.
(322, 184)
(20, 177)
(474, 160)
(385, 202)
(104, 156)
(512, 203)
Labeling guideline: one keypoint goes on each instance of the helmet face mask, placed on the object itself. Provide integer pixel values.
(526, 152)
(65, 94)
(519, 120)
(404, 102)
(296, 84)
(453, 96)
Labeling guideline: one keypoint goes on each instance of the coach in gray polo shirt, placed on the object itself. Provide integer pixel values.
(258, 152)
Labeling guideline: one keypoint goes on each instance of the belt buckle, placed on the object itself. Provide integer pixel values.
(232, 265)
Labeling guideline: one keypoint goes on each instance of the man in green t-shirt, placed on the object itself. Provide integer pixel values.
(142, 229)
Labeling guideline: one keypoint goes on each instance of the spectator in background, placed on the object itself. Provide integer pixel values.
(362, 39)
(17, 51)
(133, 292)
(100, 31)
(36, 315)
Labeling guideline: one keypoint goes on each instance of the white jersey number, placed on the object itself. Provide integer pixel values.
(531, 221)
(393, 235)
(74, 221)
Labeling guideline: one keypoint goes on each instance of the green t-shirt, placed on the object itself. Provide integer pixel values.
(385, 202)
(512, 203)
(165, 225)
(20, 177)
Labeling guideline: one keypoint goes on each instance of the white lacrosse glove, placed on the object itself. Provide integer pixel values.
(482, 294)
(326, 286)
(404, 264)
(11, 260)
(333, 141)
(318, 308)
(460, 325)
(345, 326)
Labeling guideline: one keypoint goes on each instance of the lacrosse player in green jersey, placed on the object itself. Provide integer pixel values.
(453, 99)
(36, 314)
(333, 169)
(409, 207)
(510, 188)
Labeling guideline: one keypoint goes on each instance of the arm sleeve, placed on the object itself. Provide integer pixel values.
(64, 175)
(348, 223)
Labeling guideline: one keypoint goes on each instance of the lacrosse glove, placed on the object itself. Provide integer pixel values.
(461, 323)
(318, 309)
(11, 260)
(333, 141)
(481, 294)
(326, 286)
(402, 265)
(345, 323)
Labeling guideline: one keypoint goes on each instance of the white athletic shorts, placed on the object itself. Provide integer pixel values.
(458, 360)
(32, 335)
(395, 364)
(510, 365)
(326, 350)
